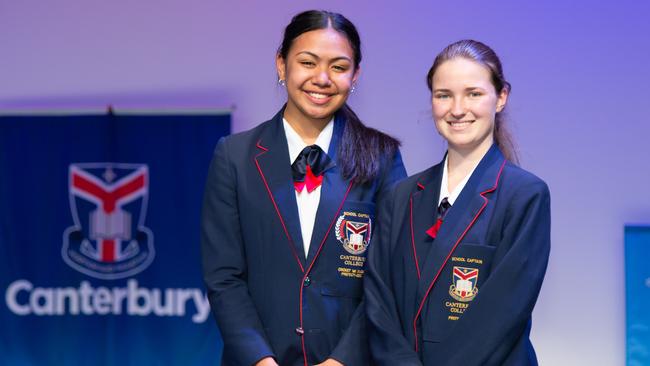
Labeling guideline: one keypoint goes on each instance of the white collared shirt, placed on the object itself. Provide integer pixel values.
(444, 185)
(307, 202)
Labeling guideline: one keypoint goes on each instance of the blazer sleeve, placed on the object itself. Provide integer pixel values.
(352, 347)
(498, 319)
(224, 265)
(388, 346)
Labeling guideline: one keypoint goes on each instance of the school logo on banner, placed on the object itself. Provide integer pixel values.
(108, 202)
(353, 231)
(463, 287)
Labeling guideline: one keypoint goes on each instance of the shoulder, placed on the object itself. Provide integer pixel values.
(248, 137)
(237, 149)
(415, 182)
(243, 145)
(521, 185)
(514, 176)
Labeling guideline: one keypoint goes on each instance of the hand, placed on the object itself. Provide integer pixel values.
(266, 361)
(330, 362)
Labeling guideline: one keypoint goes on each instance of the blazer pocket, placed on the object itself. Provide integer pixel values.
(347, 292)
(345, 303)
(458, 286)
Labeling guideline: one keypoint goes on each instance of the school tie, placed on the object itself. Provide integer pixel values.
(443, 208)
(309, 167)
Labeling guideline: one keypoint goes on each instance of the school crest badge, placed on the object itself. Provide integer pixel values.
(108, 203)
(353, 230)
(463, 287)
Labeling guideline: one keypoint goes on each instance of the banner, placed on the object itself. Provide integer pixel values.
(637, 287)
(99, 239)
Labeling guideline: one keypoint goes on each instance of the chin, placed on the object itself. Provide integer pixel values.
(321, 114)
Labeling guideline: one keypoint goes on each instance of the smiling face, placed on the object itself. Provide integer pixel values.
(319, 72)
(464, 103)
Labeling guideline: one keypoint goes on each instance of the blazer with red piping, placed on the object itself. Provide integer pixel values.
(500, 226)
(267, 298)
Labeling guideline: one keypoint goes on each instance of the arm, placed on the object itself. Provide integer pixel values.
(499, 316)
(352, 347)
(224, 265)
(388, 345)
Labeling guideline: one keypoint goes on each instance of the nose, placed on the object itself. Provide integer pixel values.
(321, 77)
(458, 109)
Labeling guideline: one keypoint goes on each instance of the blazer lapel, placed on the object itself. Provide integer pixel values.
(422, 215)
(275, 169)
(461, 216)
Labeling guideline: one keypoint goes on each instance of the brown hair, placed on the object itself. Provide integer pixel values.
(484, 55)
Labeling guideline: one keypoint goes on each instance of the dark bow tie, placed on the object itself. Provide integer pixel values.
(309, 167)
(442, 212)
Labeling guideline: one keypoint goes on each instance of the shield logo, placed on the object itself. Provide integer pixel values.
(463, 287)
(354, 235)
(108, 202)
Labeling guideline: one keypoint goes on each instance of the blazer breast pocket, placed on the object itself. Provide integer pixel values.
(458, 286)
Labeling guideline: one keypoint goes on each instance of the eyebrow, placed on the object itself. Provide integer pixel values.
(318, 58)
(466, 89)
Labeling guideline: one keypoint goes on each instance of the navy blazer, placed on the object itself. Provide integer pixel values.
(267, 298)
(465, 297)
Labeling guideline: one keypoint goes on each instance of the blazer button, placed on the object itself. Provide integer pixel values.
(300, 331)
(307, 281)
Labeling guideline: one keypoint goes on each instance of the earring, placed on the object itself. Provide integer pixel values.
(353, 88)
(282, 82)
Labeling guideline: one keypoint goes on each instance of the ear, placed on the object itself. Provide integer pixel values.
(281, 66)
(355, 77)
(502, 99)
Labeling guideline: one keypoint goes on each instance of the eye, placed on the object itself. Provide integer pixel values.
(307, 63)
(340, 68)
(475, 94)
(441, 96)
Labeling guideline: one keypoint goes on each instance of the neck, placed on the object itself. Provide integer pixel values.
(307, 129)
(308, 132)
(461, 162)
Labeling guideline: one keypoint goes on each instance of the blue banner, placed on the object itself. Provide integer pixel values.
(637, 287)
(99, 239)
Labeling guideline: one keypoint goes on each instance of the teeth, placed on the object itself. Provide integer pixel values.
(318, 95)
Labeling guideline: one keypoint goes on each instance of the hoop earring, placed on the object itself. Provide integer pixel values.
(282, 82)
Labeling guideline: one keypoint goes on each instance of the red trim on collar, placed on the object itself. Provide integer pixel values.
(415, 253)
(275, 205)
(258, 144)
(485, 201)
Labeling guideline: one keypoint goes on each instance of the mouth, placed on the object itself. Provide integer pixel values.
(318, 98)
(459, 125)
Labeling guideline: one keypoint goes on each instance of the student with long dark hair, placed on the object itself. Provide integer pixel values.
(462, 247)
(289, 210)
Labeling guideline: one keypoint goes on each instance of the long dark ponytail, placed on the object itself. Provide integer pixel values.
(362, 149)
